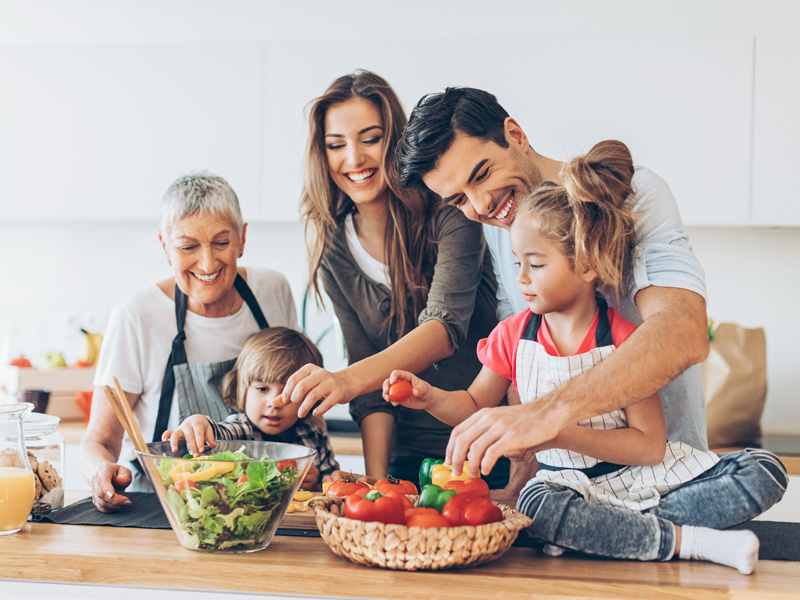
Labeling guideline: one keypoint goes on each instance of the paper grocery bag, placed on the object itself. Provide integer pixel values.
(735, 385)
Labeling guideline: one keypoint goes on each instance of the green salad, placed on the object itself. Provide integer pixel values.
(230, 504)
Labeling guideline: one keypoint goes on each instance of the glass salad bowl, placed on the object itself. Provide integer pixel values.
(232, 497)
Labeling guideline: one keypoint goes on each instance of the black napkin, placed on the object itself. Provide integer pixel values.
(144, 512)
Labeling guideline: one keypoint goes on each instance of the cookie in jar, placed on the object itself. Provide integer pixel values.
(45, 448)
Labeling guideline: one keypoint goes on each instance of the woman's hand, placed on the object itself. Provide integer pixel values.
(420, 390)
(197, 432)
(107, 483)
(310, 385)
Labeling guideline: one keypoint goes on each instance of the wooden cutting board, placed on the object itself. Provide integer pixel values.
(299, 520)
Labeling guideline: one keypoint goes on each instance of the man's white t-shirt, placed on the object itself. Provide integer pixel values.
(138, 341)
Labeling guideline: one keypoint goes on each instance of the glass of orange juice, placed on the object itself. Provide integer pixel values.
(16, 477)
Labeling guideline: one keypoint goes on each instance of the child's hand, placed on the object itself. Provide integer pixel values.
(311, 480)
(396, 390)
(197, 432)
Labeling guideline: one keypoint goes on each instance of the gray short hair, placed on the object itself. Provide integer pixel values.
(197, 194)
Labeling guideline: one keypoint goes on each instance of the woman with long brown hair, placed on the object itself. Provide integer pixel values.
(409, 278)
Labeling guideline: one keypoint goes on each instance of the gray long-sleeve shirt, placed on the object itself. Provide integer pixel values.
(461, 296)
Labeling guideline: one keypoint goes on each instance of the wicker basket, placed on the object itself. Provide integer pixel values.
(414, 548)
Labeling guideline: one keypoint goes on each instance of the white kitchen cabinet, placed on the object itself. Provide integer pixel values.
(101, 130)
(682, 104)
(776, 131)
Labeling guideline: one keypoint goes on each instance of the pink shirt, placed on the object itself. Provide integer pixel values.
(498, 352)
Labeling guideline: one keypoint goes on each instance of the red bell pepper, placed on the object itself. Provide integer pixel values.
(468, 508)
(374, 506)
(473, 484)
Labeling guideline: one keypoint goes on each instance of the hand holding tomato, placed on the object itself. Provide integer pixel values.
(399, 391)
(403, 387)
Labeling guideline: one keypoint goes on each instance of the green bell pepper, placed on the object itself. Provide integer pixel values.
(433, 496)
(425, 470)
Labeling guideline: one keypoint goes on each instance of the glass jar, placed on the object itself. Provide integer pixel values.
(46, 450)
(16, 479)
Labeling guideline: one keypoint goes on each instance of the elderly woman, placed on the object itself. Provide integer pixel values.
(170, 343)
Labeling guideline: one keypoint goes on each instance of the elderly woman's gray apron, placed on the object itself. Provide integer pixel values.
(194, 387)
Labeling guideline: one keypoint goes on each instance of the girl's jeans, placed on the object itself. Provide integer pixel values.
(741, 486)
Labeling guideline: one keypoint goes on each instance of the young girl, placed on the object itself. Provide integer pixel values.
(265, 363)
(610, 485)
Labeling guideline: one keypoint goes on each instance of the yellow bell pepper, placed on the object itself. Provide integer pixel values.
(184, 470)
(301, 501)
(441, 474)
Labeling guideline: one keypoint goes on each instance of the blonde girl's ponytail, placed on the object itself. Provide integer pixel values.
(598, 185)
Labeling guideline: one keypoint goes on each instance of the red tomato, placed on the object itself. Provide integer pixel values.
(398, 485)
(282, 464)
(242, 479)
(424, 517)
(185, 484)
(473, 484)
(482, 511)
(347, 486)
(400, 391)
(403, 498)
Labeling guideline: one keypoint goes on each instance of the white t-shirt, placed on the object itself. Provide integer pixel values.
(369, 265)
(138, 341)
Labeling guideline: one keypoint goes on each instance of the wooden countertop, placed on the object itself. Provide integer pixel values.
(306, 566)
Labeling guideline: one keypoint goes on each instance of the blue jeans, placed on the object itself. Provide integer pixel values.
(741, 486)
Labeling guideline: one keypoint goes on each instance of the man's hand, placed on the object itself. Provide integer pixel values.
(494, 432)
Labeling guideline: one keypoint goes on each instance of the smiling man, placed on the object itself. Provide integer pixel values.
(463, 146)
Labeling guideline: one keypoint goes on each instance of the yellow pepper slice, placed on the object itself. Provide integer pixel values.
(303, 495)
(182, 470)
(441, 474)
